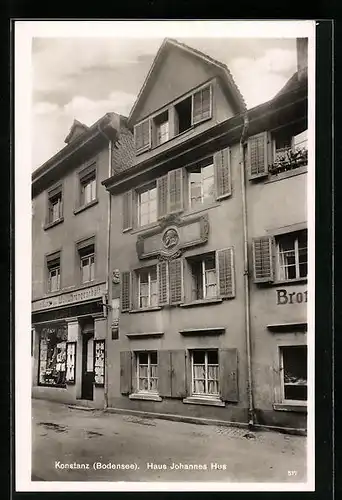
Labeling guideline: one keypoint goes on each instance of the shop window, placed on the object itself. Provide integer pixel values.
(147, 205)
(293, 368)
(205, 373)
(55, 205)
(52, 356)
(148, 287)
(292, 255)
(201, 184)
(147, 372)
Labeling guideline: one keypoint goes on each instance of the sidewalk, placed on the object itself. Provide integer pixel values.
(76, 445)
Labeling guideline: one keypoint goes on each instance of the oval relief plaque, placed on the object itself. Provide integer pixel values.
(170, 238)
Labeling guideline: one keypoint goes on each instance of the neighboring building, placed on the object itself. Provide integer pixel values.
(70, 231)
(209, 249)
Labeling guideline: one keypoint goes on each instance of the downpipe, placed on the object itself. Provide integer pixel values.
(251, 412)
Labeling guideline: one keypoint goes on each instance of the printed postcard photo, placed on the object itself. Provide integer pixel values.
(165, 213)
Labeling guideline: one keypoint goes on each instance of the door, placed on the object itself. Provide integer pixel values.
(87, 366)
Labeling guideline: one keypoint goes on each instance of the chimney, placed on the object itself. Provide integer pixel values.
(302, 57)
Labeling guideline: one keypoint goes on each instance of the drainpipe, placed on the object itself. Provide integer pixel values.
(108, 274)
(246, 275)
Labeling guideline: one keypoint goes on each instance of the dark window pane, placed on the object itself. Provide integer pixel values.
(212, 357)
(143, 358)
(198, 357)
(153, 357)
(296, 392)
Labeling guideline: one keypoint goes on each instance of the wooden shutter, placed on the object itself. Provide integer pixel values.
(228, 363)
(176, 281)
(164, 373)
(162, 193)
(178, 374)
(175, 188)
(125, 372)
(125, 291)
(257, 155)
(163, 283)
(142, 135)
(201, 105)
(263, 259)
(134, 290)
(222, 173)
(127, 210)
(225, 272)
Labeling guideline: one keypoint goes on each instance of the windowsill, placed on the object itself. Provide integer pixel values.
(216, 330)
(54, 223)
(288, 282)
(201, 302)
(288, 327)
(200, 209)
(145, 396)
(141, 229)
(144, 335)
(295, 406)
(145, 309)
(289, 173)
(84, 207)
(197, 400)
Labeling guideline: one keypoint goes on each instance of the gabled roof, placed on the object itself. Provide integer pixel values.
(222, 70)
(76, 129)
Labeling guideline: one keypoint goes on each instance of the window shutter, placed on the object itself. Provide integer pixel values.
(142, 135)
(164, 373)
(125, 291)
(175, 185)
(201, 105)
(162, 191)
(176, 280)
(226, 272)
(222, 173)
(163, 283)
(61, 209)
(125, 372)
(178, 374)
(257, 155)
(228, 362)
(127, 211)
(263, 259)
(134, 290)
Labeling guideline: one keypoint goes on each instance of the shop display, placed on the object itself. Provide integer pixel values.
(70, 362)
(99, 362)
(52, 357)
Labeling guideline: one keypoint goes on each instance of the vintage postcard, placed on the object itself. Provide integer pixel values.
(168, 273)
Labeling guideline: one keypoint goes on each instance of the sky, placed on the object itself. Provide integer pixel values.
(84, 78)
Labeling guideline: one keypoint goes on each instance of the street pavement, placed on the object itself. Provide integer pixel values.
(71, 444)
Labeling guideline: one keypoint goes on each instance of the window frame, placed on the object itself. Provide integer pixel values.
(207, 162)
(54, 192)
(205, 394)
(50, 270)
(202, 258)
(89, 256)
(148, 270)
(138, 192)
(282, 374)
(280, 267)
(86, 181)
(157, 126)
(149, 376)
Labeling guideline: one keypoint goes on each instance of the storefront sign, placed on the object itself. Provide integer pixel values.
(93, 292)
(286, 297)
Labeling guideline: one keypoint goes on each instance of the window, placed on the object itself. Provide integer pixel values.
(55, 205)
(147, 372)
(52, 356)
(147, 205)
(292, 256)
(204, 278)
(88, 188)
(205, 372)
(290, 150)
(87, 262)
(293, 366)
(183, 115)
(148, 287)
(54, 272)
(161, 128)
(201, 185)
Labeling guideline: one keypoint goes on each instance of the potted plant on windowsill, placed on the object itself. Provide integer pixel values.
(290, 160)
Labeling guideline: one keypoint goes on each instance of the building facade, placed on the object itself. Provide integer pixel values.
(70, 236)
(209, 249)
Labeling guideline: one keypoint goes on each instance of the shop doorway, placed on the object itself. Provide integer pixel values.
(87, 389)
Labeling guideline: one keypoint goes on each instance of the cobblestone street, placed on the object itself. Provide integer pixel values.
(77, 445)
